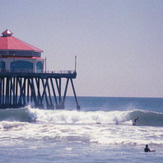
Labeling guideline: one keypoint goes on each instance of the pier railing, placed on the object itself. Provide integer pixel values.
(43, 74)
(40, 71)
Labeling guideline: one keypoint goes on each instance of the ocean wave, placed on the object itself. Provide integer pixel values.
(97, 127)
(28, 114)
(20, 115)
(146, 118)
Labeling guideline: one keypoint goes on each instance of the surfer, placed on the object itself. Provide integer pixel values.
(146, 149)
(135, 120)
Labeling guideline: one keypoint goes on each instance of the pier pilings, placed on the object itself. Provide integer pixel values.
(42, 90)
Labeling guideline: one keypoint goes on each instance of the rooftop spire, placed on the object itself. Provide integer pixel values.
(7, 33)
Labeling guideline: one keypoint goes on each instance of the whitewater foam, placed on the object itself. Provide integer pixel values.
(102, 127)
(146, 118)
(28, 114)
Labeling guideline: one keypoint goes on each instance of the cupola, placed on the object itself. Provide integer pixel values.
(7, 33)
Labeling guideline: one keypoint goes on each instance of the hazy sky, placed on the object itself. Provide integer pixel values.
(119, 43)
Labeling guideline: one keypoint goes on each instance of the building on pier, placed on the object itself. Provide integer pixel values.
(17, 55)
(23, 79)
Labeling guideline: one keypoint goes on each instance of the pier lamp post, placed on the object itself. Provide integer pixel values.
(45, 64)
(14, 62)
(75, 62)
(1, 63)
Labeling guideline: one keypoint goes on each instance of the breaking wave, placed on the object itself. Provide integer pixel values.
(103, 127)
(146, 118)
(27, 114)
(20, 115)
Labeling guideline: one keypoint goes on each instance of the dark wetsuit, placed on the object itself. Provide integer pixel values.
(146, 149)
(135, 120)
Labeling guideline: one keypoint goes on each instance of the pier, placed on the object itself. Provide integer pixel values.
(24, 80)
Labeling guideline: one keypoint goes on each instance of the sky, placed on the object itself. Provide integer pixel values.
(118, 43)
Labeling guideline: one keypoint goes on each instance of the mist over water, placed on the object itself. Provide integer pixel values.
(105, 123)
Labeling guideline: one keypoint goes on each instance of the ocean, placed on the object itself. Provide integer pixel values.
(101, 132)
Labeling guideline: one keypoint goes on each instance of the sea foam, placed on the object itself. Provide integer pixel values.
(28, 114)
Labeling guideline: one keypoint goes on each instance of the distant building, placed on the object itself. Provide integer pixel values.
(19, 56)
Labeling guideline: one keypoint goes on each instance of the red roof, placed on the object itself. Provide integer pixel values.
(9, 42)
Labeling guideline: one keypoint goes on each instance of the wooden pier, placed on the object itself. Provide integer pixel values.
(42, 90)
(24, 79)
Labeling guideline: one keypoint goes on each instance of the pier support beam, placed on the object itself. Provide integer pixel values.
(73, 88)
(42, 90)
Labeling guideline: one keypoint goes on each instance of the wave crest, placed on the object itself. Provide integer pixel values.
(146, 118)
